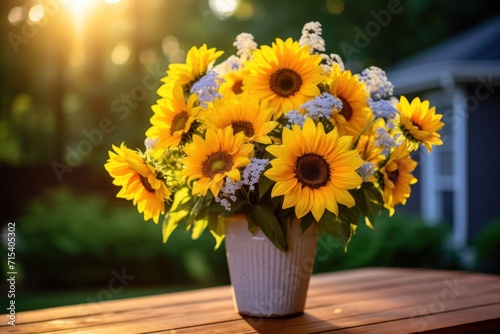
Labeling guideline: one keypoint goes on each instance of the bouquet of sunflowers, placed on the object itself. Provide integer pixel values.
(276, 133)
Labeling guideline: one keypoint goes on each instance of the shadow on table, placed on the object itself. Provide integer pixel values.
(305, 323)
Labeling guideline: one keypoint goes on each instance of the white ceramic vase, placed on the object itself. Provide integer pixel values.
(266, 281)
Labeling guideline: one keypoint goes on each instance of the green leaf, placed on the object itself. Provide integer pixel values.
(264, 185)
(198, 227)
(178, 212)
(217, 228)
(333, 226)
(350, 215)
(306, 222)
(167, 227)
(264, 217)
(369, 201)
(198, 204)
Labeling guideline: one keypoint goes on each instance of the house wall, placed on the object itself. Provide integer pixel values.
(483, 157)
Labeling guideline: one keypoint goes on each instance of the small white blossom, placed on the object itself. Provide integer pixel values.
(150, 143)
(311, 35)
(377, 83)
(246, 45)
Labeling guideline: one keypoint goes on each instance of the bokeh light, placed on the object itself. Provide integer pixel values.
(16, 15)
(121, 53)
(223, 8)
(244, 11)
(169, 44)
(335, 6)
(36, 13)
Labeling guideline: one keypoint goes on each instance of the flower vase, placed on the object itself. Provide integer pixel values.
(266, 281)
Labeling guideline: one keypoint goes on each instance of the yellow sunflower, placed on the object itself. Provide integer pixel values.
(139, 181)
(355, 113)
(245, 114)
(397, 178)
(367, 146)
(233, 82)
(314, 170)
(172, 118)
(419, 123)
(285, 74)
(198, 62)
(209, 161)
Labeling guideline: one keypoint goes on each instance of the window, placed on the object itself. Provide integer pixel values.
(443, 179)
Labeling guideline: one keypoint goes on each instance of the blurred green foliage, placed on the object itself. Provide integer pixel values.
(73, 241)
(487, 248)
(401, 241)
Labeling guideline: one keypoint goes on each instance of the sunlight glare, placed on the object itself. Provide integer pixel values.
(112, 2)
(223, 8)
(80, 10)
(36, 13)
(77, 58)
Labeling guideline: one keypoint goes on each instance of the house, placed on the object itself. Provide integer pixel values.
(459, 183)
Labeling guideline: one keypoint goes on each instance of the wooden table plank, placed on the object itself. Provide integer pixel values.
(361, 312)
(363, 299)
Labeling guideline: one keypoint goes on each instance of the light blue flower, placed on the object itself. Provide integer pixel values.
(295, 117)
(322, 106)
(366, 171)
(207, 88)
(253, 171)
(382, 108)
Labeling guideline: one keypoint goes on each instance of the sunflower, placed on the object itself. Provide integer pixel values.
(139, 181)
(314, 170)
(198, 62)
(355, 113)
(245, 114)
(172, 118)
(233, 82)
(285, 74)
(209, 161)
(368, 148)
(419, 124)
(396, 178)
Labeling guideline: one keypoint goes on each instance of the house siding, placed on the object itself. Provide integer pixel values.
(483, 159)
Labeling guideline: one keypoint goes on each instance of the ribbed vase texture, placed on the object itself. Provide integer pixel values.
(266, 281)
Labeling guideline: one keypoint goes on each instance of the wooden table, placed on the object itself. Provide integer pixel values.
(379, 300)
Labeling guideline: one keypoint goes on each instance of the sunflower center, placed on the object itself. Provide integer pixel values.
(145, 183)
(179, 122)
(312, 170)
(416, 124)
(285, 82)
(217, 163)
(393, 176)
(243, 126)
(237, 87)
(346, 109)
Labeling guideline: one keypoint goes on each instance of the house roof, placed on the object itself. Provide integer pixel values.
(460, 59)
